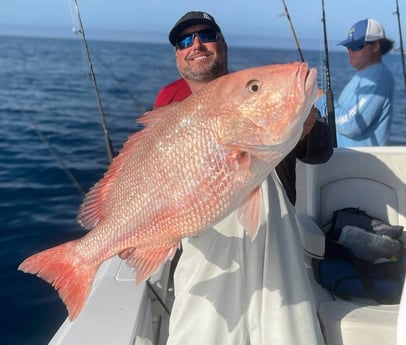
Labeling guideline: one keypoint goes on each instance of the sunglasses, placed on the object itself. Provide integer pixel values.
(357, 49)
(205, 36)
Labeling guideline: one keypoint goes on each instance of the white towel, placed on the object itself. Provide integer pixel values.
(231, 290)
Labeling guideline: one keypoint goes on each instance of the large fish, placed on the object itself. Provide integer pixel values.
(193, 164)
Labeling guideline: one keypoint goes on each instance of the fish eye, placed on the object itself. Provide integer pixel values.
(253, 86)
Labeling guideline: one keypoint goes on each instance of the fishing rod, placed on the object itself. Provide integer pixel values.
(329, 93)
(292, 28)
(54, 154)
(109, 146)
(401, 42)
(50, 147)
(293, 31)
(123, 87)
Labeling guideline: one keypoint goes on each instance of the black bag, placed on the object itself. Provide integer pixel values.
(356, 217)
(346, 275)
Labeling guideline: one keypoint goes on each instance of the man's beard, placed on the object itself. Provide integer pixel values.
(215, 70)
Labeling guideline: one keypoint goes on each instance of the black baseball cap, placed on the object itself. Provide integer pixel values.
(189, 19)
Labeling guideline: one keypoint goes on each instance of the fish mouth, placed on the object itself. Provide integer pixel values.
(305, 95)
(310, 85)
(307, 89)
(307, 81)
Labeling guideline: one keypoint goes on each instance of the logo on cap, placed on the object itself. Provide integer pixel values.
(206, 16)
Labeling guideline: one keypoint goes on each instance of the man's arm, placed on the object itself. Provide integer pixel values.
(315, 145)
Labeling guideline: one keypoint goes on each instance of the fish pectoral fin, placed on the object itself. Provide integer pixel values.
(249, 214)
(147, 261)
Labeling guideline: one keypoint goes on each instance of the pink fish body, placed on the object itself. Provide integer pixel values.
(194, 163)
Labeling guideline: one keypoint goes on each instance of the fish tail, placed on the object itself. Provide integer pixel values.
(60, 266)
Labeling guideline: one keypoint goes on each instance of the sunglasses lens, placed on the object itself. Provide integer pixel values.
(356, 49)
(185, 42)
(204, 36)
(207, 36)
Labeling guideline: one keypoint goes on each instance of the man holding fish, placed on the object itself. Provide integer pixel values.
(202, 171)
(201, 56)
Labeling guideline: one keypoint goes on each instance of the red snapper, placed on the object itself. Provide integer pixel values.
(194, 163)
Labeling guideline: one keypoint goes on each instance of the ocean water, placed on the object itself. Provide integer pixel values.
(50, 124)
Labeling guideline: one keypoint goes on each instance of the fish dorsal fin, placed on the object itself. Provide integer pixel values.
(249, 214)
(152, 117)
(91, 211)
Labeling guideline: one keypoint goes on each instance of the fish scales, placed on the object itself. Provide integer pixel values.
(194, 163)
(164, 165)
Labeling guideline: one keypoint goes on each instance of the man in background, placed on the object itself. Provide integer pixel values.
(363, 111)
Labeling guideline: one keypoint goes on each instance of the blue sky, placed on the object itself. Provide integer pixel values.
(244, 22)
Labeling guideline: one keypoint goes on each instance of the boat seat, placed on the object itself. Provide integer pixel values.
(373, 179)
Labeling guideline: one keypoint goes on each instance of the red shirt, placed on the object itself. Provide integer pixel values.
(174, 92)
